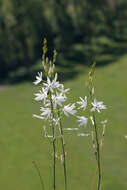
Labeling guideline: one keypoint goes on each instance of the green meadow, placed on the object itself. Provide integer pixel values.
(22, 138)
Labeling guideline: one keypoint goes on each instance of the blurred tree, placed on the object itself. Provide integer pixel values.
(86, 25)
(22, 27)
(64, 25)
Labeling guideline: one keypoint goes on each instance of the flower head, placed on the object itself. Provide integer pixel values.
(83, 103)
(58, 99)
(97, 106)
(69, 109)
(63, 91)
(82, 121)
(46, 112)
(38, 78)
(41, 96)
(50, 85)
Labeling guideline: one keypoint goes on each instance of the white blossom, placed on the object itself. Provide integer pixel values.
(41, 96)
(46, 112)
(82, 121)
(50, 85)
(97, 106)
(69, 109)
(63, 91)
(58, 99)
(83, 103)
(38, 78)
(55, 83)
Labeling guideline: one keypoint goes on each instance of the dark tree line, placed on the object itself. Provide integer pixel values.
(67, 24)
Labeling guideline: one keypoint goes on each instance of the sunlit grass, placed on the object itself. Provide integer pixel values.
(21, 136)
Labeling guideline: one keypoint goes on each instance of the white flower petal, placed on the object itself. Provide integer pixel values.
(82, 103)
(69, 109)
(97, 106)
(46, 112)
(38, 78)
(37, 116)
(82, 121)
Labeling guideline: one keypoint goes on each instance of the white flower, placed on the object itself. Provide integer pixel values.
(58, 99)
(83, 103)
(37, 116)
(38, 78)
(63, 91)
(55, 84)
(50, 85)
(41, 96)
(69, 110)
(97, 106)
(92, 120)
(46, 112)
(82, 121)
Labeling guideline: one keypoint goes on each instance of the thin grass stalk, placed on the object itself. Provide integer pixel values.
(39, 174)
(63, 149)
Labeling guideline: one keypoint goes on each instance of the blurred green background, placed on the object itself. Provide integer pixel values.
(81, 31)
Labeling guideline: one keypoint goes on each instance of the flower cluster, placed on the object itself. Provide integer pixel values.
(95, 106)
(53, 95)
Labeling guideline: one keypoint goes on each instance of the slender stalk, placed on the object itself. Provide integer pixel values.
(97, 146)
(63, 149)
(53, 145)
(98, 154)
(39, 174)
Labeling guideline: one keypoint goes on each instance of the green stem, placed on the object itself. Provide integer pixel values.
(97, 147)
(98, 154)
(39, 174)
(53, 145)
(54, 159)
(63, 149)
